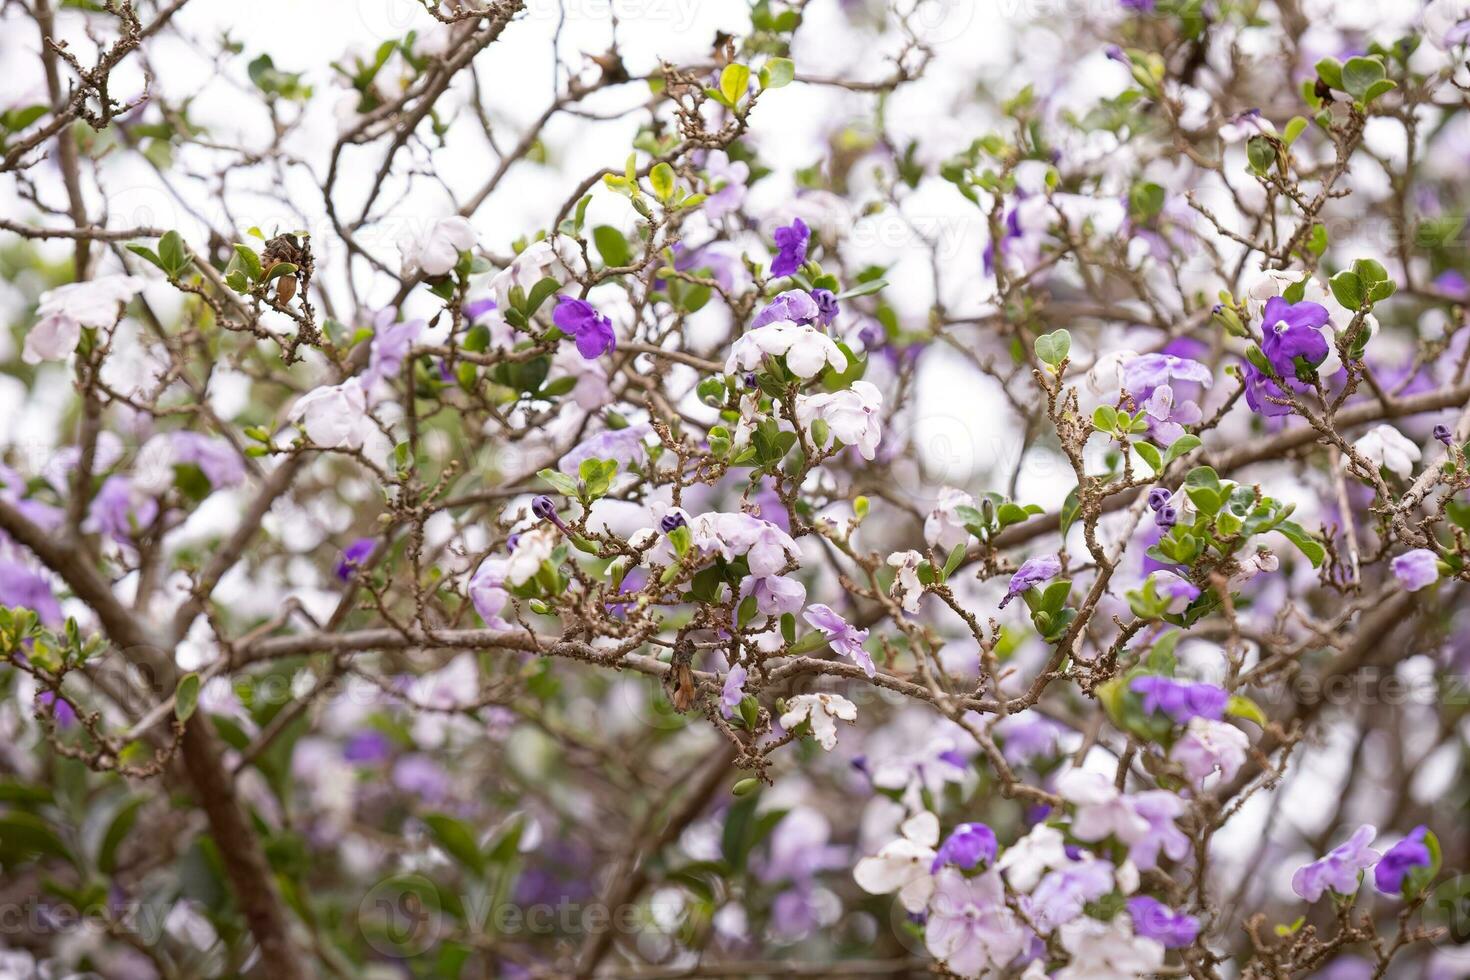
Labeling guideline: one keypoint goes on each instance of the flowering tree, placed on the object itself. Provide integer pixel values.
(797, 496)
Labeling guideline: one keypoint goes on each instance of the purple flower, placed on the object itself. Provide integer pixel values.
(1410, 853)
(1139, 6)
(1153, 919)
(794, 305)
(354, 556)
(969, 925)
(1291, 331)
(391, 344)
(1062, 894)
(118, 510)
(62, 712)
(625, 445)
(967, 845)
(545, 508)
(367, 748)
(1027, 735)
(791, 243)
(1032, 572)
(1261, 389)
(1337, 869)
(826, 304)
(29, 589)
(1417, 569)
(216, 458)
(1180, 700)
(1159, 809)
(1166, 517)
(580, 319)
(1443, 434)
(672, 521)
(422, 777)
(1157, 498)
(842, 636)
(733, 690)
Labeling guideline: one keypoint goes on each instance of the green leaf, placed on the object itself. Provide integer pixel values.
(1294, 129)
(1240, 706)
(186, 697)
(612, 246)
(863, 289)
(173, 254)
(1360, 74)
(1184, 444)
(1150, 455)
(122, 822)
(1308, 545)
(1378, 88)
(734, 81)
(249, 261)
(1053, 348)
(1330, 71)
(457, 840)
(778, 73)
(662, 179)
(1347, 288)
(148, 253)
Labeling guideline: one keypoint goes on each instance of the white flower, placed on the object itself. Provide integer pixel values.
(903, 865)
(807, 349)
(907, 588)
(1249, 567)
(1447, 23)
(822, 710)
(65, 310)
(851, 414)
(943, 528)
(436, 252)
(1025, 861)
(532, 548)
(1387, 447)
(767, 548)
(531, 266)
(333, 416)
(1101, 810)
(1108, 951)
(1210, 747)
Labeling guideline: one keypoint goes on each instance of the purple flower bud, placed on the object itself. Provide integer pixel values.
(671, 522)
(512, 541)
(354, 556)
(1442, 433)
(1166, 517)
(826, 304)
(545, 508)
(1157, 498)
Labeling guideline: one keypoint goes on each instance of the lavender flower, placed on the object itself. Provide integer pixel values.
(1338, 869)
(794, 305)
(580, 319)
(1166, 517)
(845, 640)
(1157, 498)
(1154, 920)
(23, 587)
(1032, 572)
(545, 508)
(1417, 569)
(732, 692)
(1443, 434)
(1410, 853)
(791, 243)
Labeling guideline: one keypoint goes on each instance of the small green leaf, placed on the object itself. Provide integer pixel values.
(778, 73)
(1360, 74)
(186, 697)
(734, 81)
(662, 179)
(612, 246)
(1150, 454)
(1053, 348)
